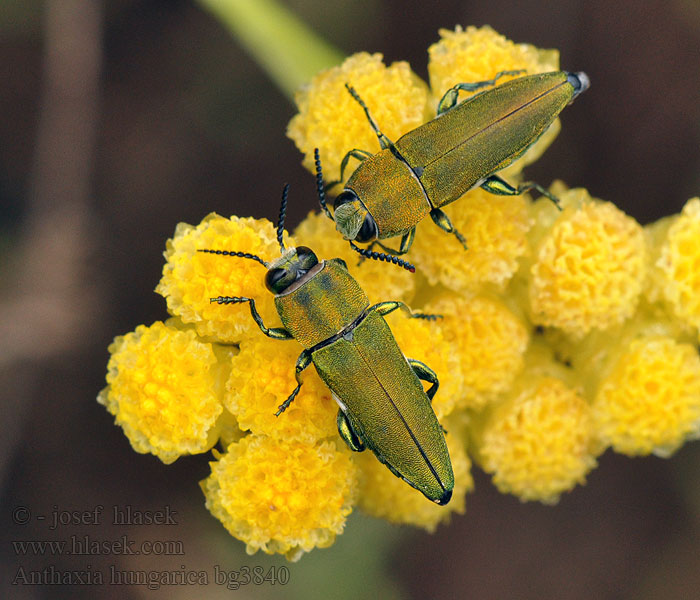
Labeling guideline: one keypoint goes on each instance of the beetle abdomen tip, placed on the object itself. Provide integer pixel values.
(579, 81)
(444, 499)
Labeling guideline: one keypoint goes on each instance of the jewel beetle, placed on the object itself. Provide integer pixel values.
(462, 148)
(382, 403)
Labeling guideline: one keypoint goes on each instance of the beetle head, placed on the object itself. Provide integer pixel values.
(288, 268)
(352, 219)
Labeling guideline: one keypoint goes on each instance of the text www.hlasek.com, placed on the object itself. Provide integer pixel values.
(85, 545)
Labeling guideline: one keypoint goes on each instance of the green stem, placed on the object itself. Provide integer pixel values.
(289, 51)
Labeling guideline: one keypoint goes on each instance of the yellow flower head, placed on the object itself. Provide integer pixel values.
(589, 264)
(479, 54)
(191, 278)
(164, 389)
(487, 339)
(386, 496)
(280, 496)
(676, 272)
(537, 443)
(262, 377)
(332, 121)
(379, 280)
(496, 231)
(648, 401)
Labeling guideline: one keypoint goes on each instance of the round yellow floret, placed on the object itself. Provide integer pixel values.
(164, 390)
(589, 267)
(191, 278)
(386, 496)
(380, 280)
(487, 339)
(676, 272)
(280, 496)
(332, 121)
(649, 401)
(478, 54)
(495, 228)
(262, 377)
(537, 443)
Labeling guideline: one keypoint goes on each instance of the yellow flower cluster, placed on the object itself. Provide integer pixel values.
(164, 389)
(562, 333)
(281, 496)
(255, 390)
(649, 400)
(496, 231)
(676, 263)
(588, 267)
(538, 440)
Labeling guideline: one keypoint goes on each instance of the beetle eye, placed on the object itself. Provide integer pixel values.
(277, 280)
(306, 258)
(344, 197)
(368, 231)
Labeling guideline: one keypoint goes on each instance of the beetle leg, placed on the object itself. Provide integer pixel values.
(277, 333)
(404, 245)
(384, 308)
(349, 435)
(425, 373)
(443, 222)
(303, 361)
(495, 185)
(407, 241)
(358, 154)
(450, 97)
(384, 141)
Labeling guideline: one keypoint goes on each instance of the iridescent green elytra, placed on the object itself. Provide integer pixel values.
(462, 148)
(382, 403)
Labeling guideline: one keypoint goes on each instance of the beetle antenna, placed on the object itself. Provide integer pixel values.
(385, 257)
(320, 187)
(280, 220)
(239, 254)
(384, 141)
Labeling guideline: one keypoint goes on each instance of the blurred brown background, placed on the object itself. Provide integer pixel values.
(119, 119)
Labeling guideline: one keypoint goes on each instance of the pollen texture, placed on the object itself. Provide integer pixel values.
(280, 496)
(164, 391)
(649, 401)
(589, 266)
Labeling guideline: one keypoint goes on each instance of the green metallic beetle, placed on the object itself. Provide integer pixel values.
(382, 403)
(462, 148)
